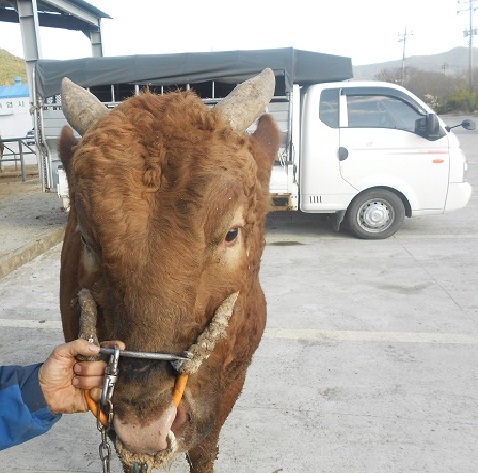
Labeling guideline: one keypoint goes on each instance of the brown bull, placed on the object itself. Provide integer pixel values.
(168, 209)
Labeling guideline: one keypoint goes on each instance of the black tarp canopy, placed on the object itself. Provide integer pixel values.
(297, 67)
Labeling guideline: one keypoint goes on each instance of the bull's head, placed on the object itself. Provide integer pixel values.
(168, 208)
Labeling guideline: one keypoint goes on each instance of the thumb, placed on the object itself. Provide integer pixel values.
(77, 347)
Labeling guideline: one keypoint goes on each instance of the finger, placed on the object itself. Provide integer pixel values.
(95, 394)
(88, 382)
(112, 343)
(77, 347)
(90, 368)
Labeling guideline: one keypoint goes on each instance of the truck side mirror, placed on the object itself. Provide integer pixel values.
(468, 124)
(428, 127)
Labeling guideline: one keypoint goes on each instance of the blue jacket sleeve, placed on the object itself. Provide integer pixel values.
(23, 410)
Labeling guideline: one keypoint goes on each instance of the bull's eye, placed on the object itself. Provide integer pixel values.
(86, 243)
(231, 235)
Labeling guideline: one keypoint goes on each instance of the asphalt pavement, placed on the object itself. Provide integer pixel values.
(368, 363)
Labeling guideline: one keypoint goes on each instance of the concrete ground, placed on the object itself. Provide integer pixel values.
(368, 364)
(30, 222)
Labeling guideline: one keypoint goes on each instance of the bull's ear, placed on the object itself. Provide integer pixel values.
(265, 143)
(66, 147)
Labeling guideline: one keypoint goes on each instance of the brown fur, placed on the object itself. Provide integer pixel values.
(154, 187)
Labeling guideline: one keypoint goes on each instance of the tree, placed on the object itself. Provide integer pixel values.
(444, 93)
(392, 75)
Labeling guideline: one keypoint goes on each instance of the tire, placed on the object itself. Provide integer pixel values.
(375, 214)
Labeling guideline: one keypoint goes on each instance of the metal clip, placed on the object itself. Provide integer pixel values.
(179, 363)
(110, 381)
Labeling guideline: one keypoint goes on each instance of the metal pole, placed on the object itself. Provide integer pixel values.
(403, 39)
(28, 19)
(470, 32)
(22, 161)
(403, 55)
(470, 47)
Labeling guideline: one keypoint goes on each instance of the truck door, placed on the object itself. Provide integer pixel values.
(322, 188)
(381, 146)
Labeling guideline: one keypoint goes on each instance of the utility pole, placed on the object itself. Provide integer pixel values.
(403, 38)
(470, 32)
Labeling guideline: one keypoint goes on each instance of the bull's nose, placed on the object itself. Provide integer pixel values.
(148, 437)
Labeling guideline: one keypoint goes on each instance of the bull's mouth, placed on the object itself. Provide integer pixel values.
(149, 437)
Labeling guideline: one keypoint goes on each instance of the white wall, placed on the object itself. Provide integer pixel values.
(15, 118)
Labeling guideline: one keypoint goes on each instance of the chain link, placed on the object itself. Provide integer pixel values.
(104, 448)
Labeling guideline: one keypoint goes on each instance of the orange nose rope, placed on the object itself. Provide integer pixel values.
(179, 387)
(95, 408)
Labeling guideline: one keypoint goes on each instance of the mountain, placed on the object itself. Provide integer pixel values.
(452, 63)
(10, 67)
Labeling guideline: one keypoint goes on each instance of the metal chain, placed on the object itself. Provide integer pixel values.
(104, 448)
(111, 376)
(106, 405)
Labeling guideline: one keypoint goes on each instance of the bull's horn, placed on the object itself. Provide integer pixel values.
(87, 322)
(244, 104)
(80, 107)
(215, 331)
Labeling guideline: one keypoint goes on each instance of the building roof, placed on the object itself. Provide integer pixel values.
(13, 91)
(66, 14)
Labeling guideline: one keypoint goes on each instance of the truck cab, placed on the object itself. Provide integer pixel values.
(373, 153)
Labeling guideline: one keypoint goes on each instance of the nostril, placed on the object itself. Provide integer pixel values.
(182, 416)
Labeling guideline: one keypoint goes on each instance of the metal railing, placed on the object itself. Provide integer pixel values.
(15, 151)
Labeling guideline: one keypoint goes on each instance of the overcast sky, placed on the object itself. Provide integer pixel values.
(368, 31)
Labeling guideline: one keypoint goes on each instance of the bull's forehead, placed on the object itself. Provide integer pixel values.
(172, 173)
(127, 226)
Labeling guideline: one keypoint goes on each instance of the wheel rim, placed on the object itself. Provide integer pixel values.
(375, 215)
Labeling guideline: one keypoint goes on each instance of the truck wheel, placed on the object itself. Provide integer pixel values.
(375, 214)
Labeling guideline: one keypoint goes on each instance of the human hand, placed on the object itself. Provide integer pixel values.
(63, 378)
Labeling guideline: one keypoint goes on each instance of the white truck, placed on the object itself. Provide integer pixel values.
(368, 153)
